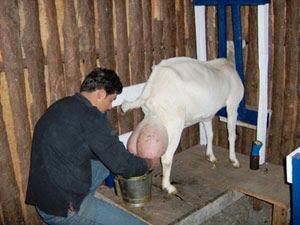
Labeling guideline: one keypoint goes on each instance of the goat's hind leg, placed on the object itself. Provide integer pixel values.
(209, 136)
(167, 159)
(231, 127)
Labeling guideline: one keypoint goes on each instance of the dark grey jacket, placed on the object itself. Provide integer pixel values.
(66, 138)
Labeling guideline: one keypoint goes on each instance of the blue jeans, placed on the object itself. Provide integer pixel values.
(94, 211)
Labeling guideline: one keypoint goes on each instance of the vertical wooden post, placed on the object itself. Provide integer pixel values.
(251, 77)
(137, 72)
(71, 49)
(10, 47)
(278, 81)
(190, 43)
(157, 29)
(292, 78)
(86, 24)
(279, 215)
(147, 36)
(122, 60)
(56, 78)
(33, 50)
(10, 206)
(106, 42)
(180, 51)
(180, 32)
(169, 28)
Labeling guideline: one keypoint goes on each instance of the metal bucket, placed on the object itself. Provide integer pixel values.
(135, 191)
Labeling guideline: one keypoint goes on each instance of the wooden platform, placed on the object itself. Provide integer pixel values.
(200, 183)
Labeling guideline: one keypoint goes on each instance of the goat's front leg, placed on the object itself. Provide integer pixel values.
(231, 127)
(167, 158)
(209, 136)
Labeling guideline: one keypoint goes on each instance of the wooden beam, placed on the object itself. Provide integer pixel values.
(278, 75)
(288, 141)
(71, 49)
(147, 36)
(10, 47)
(56, 80)
(86, 24)
(137, 73)
(157, 29)
(122, 60)
(9, 192)
(106, 43)
(279, 216)
(32, 45)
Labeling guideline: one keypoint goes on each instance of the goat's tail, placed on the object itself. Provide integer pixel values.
(126, 105)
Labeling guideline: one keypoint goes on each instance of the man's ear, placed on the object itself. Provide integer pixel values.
(101, 94)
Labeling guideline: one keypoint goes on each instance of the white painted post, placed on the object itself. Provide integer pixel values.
(201, 51)
(263, 56)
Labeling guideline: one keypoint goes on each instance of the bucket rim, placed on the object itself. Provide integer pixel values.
(149, 173)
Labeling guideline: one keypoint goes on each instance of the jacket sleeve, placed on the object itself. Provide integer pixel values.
(105, 144)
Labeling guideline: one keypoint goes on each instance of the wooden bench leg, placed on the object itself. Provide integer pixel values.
(279, 215)
(256, 204)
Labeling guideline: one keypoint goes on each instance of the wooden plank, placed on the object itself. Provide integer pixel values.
(147, 37)
(56, 80)
(278, 75)
(121, 42)
(199, 183)
(10, 47)
(106, 44)
(122, 60)
(180, 32)
(180, 51)
(71, 49)
(137, 73)
(8, 191)
(190, 50)
(6, 215)
(190, 31)
(157, 29)
(265, 184)
(167, 209)
(292, 77)
(86, 25)
(251, 77)
(279, 215)
(256, 204)
(169, 28)
(32, 45)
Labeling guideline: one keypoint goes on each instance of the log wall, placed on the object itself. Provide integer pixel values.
(47, 47)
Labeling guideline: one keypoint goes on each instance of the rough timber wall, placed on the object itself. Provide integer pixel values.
(47, 47)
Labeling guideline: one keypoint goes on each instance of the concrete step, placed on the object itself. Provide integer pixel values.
(211, 209)
(241, 212)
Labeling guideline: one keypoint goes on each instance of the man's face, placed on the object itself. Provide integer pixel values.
(105, 103)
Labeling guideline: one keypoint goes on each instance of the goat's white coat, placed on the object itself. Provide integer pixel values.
(183, 91)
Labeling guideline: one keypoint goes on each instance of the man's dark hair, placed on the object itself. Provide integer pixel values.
(102, 79)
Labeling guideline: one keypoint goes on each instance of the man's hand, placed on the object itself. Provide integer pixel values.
(153, 163)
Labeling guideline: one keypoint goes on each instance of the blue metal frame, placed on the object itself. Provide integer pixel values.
(296, 189)
(246, 115)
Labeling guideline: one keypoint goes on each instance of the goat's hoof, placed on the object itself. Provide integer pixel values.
(235, 163)
(171, 190)
(210, 159)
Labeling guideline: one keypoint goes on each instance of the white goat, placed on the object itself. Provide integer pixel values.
(182, 91)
